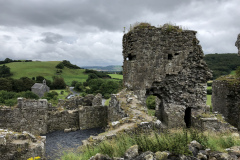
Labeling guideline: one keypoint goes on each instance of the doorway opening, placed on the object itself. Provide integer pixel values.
(187, 117)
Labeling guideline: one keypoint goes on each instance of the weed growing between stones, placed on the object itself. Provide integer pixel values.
(175, 141)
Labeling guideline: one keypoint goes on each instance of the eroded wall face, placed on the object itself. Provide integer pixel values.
(226, 100)
(169, 65)
(39, 117)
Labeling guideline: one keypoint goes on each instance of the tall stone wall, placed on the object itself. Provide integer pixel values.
(237, 44)
(226, 100)
(166, 62)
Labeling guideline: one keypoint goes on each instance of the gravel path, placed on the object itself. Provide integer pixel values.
(58, 141)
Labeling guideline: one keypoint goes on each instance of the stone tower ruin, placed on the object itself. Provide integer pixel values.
(166, 62)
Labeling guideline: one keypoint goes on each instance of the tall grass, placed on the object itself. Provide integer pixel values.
(175, 141)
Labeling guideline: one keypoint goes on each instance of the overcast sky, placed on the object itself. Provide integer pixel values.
(89, 32)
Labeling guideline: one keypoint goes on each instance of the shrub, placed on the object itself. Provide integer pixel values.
(209, 91)
(150, 102)
(60, 65)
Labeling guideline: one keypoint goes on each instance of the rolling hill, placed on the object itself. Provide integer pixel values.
(46, 69)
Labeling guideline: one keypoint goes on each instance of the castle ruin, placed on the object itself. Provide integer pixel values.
(226, 96)
(167, 62)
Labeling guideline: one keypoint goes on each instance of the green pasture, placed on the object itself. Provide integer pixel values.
(61, 96)
(233, 73)
(209, 101)
(46, 69)
(116, 76)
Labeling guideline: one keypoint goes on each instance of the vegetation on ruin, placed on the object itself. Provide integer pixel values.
(140, 25)
(150, 102)
(233, 81)
(175, 141)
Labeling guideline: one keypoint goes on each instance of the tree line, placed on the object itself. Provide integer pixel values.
(222, 64)
(25, 83)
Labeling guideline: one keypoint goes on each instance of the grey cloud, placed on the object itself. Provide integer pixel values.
(70, 29)
(51, 37)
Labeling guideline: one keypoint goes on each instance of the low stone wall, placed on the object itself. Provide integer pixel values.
(30, 115)
(60, 120)
(39, 117)
(20, 146)
(226, 100)
(92, 117)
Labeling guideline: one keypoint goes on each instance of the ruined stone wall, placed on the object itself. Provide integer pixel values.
(92, 116)
(20, 146)
(237, 44)
(39, 117)
(30, 115)
(166, 62)
(60, 120)
(226, 100)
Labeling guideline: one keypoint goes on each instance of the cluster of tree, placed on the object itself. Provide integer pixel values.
(5, 71)
(96, 74)
(222, 64)
(8, 60)
(57, 83)
(16, 85)
(10, 98)
(67, 64)
(98, 85)
(25, 83)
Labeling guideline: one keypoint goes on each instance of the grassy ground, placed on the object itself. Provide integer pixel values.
(175, 141)
(117, 76)
(233, 73)
(61, 96)
(151, 112)
(209, 102)
(45, 69)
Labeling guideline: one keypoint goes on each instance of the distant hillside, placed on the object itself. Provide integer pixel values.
(46, 69)
(222, 64)
(106, 68)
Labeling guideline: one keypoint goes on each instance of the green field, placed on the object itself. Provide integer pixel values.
(61, 96)
(46, 69)
(233, 73)
(116, 76)
(209, 101)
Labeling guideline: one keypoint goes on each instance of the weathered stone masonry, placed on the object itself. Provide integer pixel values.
(226, 100)
(168, 64)
(39, 117)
